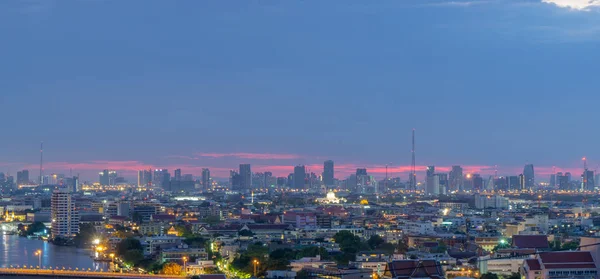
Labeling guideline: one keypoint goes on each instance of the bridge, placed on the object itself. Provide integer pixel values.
(21, 273)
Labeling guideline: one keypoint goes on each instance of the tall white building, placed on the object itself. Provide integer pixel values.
(65, 219)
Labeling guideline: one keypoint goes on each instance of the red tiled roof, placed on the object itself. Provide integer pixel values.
(530, 241)
(533, 264)
(549, 266)
(566, 257)
(414, 268)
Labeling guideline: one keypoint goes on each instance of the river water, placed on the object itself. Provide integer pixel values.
(15, 250)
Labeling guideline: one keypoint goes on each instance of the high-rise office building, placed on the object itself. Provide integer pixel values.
(245, 176)
(432, 182)
(104, 179)
(65, 219)
(456, 179)
(177, 175)
(522, 182)
(563, 181)
(362, 180)
(328, 173)
(268, 180)
(206, 179)
(72, 184)
(477, 182)
(22, 177)
(144, 178)
(587, 180)
(299, 177)
(553, 180)
(529, 175)
(161, 178)
(513, 183)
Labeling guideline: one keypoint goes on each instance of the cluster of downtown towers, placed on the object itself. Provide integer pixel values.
(301, 178)
(243, 179)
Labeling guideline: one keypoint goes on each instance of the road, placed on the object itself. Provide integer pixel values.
(78, 274)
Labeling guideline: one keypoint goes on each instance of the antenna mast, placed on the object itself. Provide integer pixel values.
(41, 163)
(413, 171)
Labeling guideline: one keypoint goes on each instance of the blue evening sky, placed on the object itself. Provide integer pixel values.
(498, 82)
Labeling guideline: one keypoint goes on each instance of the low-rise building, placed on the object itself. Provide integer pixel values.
(564, 264)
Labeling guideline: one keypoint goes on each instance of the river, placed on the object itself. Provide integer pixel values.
(20, 251)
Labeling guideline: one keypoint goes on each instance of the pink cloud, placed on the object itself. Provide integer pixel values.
(253, 156)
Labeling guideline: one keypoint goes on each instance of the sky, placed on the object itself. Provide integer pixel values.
(486, 84)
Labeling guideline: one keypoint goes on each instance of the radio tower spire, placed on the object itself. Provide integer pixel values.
(413, 171)
(41, 163)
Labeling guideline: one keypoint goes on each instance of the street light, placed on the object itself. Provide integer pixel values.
(184, 265)
(255, 262)
(39, 254)
(112, 261)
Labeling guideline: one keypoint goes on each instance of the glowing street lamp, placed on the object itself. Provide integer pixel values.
(184, 265)
(256, 263)
(39, 254)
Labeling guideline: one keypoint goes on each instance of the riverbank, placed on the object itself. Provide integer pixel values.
(22, 251)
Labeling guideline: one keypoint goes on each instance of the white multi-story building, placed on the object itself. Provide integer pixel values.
(496, 201)
(65, 219)
(417, 227)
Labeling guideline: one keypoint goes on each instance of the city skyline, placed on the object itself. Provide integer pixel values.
(477, 94)
(88, 171)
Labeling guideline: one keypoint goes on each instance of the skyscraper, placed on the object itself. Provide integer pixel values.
(161, 178)
(432, 182)
(104, 179)
(456, 179)
(328, 173)
(299, 177)
(563, 181)
(144, 178)
(206, 179)
(72, 184)
(513, 183)
(65, 219)
(22, 177)
(587, 180)
(529, 176)
(177, 175)
(245, 176)
(234, 180)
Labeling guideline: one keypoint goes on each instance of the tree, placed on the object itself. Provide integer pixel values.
(87, 233)
(402, 247)
(128, 244)
(133, 257)
(572, 245)
(375, 241)
(514, 275)
(171, 269)
(195, 240)
(349, 243)
(303, 274)
(441, 248)
(488, 276)
(36, 227)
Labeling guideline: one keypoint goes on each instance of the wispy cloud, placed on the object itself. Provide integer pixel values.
(455, 3)
(253, 156)
(582, 5)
